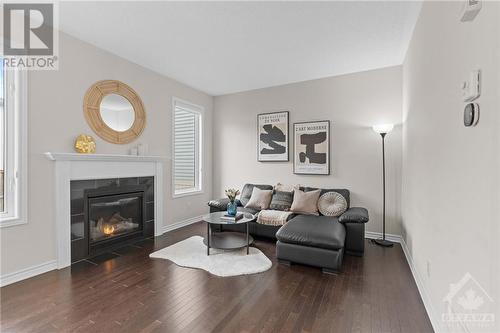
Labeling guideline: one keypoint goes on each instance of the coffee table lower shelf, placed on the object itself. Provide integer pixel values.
(228, 240)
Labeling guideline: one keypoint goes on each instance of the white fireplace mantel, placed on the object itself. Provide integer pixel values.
(102, 157)
(71, 166)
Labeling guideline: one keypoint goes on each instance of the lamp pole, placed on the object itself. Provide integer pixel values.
(383, 241)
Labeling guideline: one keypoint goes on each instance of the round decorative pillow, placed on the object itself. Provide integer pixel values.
(332, 204)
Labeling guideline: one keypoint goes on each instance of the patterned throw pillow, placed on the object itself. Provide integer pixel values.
(332, 204)
(260, 199)
(281, 201)
(305, 202)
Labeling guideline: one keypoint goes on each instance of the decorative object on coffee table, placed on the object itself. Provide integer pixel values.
(85, 144)
(311, 149)
(383, 130)
(272, 132)
(227, 240)
(232, 206)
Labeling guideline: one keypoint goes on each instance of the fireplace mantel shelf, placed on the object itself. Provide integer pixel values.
(102, 157)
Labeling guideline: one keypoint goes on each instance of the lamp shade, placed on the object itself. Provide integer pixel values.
(383, 129)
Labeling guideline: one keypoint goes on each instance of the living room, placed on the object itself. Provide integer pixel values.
(250, 166)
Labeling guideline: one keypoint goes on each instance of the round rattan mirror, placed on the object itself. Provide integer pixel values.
(114, 111)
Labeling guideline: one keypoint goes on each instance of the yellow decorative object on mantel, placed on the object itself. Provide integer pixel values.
(85, 144)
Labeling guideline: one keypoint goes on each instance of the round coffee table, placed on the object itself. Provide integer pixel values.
(227, 240)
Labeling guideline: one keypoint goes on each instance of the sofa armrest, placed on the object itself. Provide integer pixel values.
(354, 214)
(221, 204)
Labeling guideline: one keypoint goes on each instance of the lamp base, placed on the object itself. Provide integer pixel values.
(383, 242)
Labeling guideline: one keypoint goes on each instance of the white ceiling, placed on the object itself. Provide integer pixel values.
(226, 47)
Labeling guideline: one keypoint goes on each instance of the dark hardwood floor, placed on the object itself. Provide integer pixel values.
(129, 292)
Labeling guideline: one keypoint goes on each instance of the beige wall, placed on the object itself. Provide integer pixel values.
(56, 117)
(353, 103)
(451, 173)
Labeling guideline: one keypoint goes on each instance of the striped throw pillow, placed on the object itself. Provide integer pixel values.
(281, 201)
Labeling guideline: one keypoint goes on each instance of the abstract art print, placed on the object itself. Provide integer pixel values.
(272, 131)
(311, 148)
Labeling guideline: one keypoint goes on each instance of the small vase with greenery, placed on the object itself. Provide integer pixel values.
(232, 206)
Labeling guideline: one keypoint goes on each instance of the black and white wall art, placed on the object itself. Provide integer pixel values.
(272, 131)
(311, 148)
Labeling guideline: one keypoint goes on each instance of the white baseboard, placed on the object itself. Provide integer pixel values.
(424, 293)
(377, 235)
(27, 273)
(181, 224)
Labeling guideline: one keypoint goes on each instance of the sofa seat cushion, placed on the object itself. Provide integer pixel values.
(315, 231)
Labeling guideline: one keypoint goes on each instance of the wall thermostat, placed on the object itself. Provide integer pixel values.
(471, 114)
(471, 88)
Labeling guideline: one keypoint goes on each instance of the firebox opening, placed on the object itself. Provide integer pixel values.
(114, 217)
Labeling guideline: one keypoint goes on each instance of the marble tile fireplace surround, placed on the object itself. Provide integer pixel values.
(138, 177)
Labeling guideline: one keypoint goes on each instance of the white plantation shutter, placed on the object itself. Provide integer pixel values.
(187, 166)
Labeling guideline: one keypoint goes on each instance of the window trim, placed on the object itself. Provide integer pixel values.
(16, 90)
(200, 110)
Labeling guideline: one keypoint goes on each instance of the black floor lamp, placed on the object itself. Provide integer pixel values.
(383, 130)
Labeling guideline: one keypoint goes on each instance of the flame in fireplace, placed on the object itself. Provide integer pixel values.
(108, 229)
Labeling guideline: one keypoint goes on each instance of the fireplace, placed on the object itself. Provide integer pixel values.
(73, 173)
(113, 216)
(110, 213)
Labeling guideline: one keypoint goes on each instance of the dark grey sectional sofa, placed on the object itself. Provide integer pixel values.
(318, 241)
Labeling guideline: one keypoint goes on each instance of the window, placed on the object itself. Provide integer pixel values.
(187, 161)
(2, 140)
(13, 190)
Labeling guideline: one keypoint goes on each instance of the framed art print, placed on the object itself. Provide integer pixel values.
(311, 151)
(272, 131)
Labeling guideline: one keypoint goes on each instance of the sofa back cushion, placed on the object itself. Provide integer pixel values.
(282, 200)
(344, 192)
(247, 190)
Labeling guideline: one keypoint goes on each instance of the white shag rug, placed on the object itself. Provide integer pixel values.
(192, 253)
